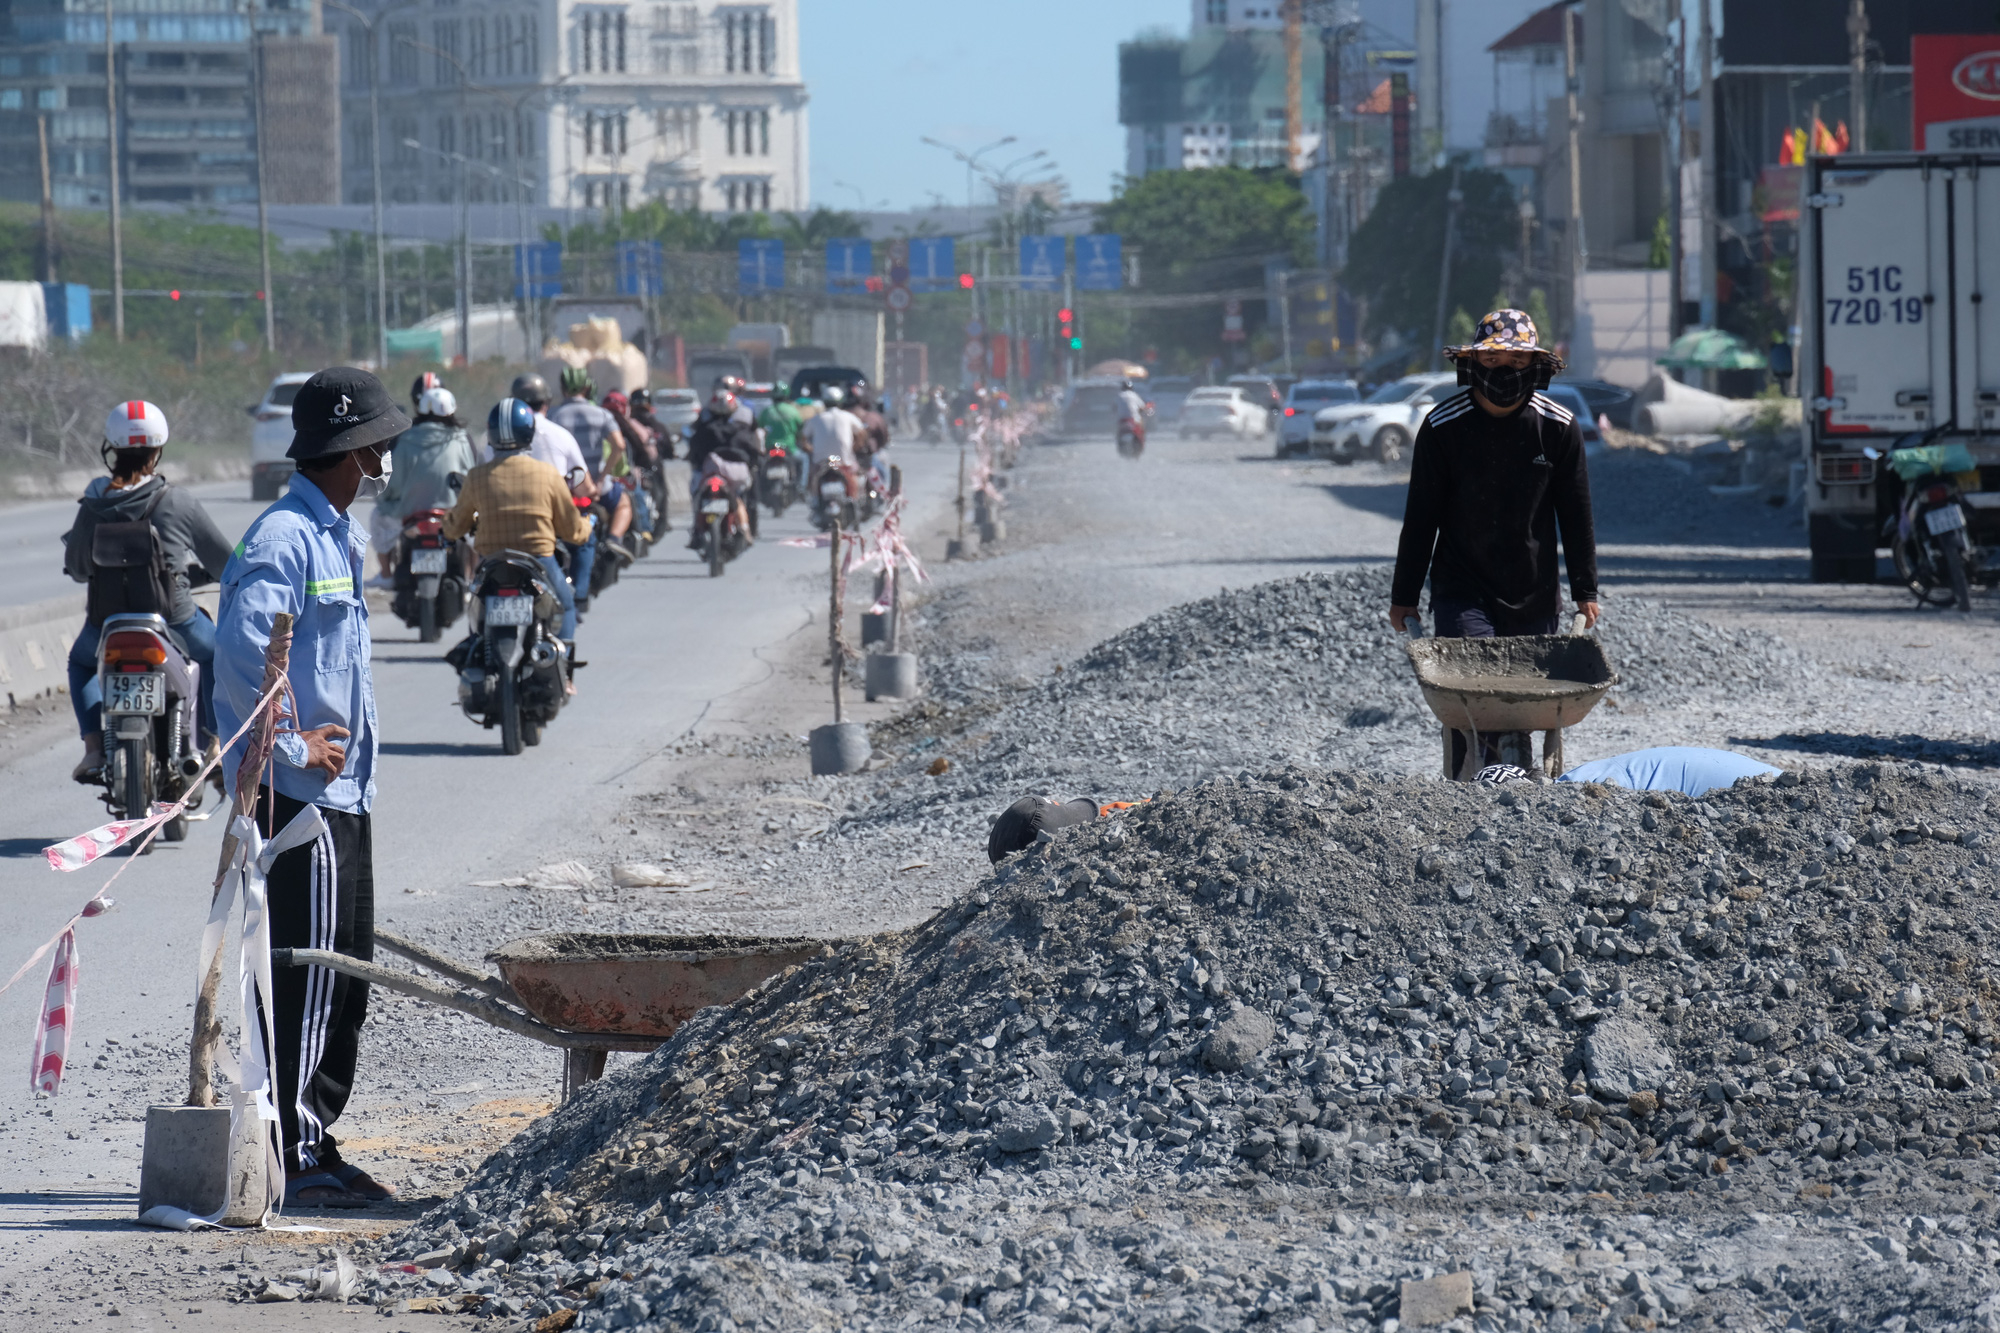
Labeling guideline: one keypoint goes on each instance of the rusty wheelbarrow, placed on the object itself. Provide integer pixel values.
(1507, 687)
(585, 994)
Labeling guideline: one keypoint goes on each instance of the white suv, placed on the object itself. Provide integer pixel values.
(1383, 425)
(1221, 409)
(270, 470)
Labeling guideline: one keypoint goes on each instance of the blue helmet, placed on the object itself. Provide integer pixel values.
(510, 425)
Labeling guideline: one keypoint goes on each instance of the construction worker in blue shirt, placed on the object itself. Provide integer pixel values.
(304, 556)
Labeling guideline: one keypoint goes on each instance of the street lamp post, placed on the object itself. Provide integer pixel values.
(375, 160)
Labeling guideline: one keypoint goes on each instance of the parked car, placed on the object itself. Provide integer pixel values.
(1570, 397)
(1307, 397)
(676, 407)
(1263, 390)
(1168, 394)
(1611, 401)
(1383, 425)
(1222, 409)
(1092, 408)
(270, 470)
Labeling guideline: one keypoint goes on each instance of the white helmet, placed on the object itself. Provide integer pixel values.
(136, 425)
(437, 402)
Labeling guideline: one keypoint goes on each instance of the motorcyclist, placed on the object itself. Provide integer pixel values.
(832, 436)
(521, 503)
(640, 451)
(642, 412)
(781, 423)
(1131, 410)
(424, 458)
(873, 442)
(558, 448)
(936, 409)
(720, 443)
(135, 435)
(603, 445)
(384, 531)
(733, 385)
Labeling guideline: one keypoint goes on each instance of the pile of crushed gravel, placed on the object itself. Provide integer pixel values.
(1270, 1050)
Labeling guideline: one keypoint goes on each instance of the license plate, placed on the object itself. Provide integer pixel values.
(427, 560)
(135, 692)
(1945, 518)
(834, 491)
(715, 506)
(510, 610)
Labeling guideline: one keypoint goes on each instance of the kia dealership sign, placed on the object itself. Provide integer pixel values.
(1955, 93)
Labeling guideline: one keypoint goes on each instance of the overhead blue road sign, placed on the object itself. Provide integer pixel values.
(760, 265)
(849, 265)
(1100, 263)
(932, 268)
(641, 268)
(1041, 263)
(537, 270)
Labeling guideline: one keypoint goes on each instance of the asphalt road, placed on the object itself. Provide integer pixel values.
(31, 538)
(662, 646)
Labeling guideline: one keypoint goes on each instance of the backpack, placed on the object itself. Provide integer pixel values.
(129, 570)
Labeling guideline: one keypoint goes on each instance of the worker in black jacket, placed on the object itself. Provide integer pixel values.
(1497, 470)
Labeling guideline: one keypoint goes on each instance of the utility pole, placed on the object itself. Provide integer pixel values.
(1453, 199)
(48, 204)
(263, 216)
(1857, 74)
(111, 162)
(1430, 82)
(1708, 156)
(1676, 127)
(1579, 254)
(1295, 114)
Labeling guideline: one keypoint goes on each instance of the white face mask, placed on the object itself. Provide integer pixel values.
(371, 488)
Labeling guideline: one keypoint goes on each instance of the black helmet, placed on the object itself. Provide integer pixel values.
(531, 389)
(642, 399)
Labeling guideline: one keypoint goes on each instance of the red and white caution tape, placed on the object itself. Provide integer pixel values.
(57, 1019)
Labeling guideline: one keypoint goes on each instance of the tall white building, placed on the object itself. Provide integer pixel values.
(587, 104)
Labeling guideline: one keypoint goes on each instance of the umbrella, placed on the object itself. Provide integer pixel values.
(1712, 349)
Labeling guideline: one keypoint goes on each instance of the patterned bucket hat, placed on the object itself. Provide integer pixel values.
(1503, 331)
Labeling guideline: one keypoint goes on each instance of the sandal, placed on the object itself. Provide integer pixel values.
(357, 1181)
(321, 1189)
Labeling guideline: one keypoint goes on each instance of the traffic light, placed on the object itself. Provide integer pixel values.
(1067, 319)
(1064, 314)
(174, 295)
(965, 281)
(1076, 344)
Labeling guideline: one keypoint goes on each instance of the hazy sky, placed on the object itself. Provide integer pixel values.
(884, 73)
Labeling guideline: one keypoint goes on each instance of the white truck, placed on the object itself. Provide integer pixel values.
(1897, 254)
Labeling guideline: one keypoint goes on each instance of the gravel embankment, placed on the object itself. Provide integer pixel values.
(1273, 1047)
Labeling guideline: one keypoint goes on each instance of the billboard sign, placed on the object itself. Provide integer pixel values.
(641, 268)
(849, 265)
(1955, 92)
(1041, 263)
(931, 264)
(537, 270)
(760, 265)
(1100, 264)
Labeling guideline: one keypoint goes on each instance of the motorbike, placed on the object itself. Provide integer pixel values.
(724, 534)
(429, 593)
(152, 744)
(1928, 534)
(513, 671)
(837, 498)
(1131, 442)
(777, 483)
(653, 477)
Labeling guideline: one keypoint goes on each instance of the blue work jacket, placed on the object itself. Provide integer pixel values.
(301, 556)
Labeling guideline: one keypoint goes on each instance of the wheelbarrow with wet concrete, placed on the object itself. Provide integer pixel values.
(587, 995)
(1503, 689)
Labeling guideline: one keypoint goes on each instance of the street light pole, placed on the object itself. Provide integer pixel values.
(375, 160)
(111, 161)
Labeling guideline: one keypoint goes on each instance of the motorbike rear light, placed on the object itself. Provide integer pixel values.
(135, 646)
(427, 527)
(507, 592)
(1291, 411)
(1937, 495)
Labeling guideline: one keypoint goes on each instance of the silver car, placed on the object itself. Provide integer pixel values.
(1383, 425)
(1306, 398)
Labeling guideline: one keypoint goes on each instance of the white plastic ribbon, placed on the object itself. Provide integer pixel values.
(253, 1076)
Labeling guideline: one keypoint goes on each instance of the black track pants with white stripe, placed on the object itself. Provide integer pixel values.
(322, 896)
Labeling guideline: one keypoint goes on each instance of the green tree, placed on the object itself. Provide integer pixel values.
(1205, 231)
(1395, 257)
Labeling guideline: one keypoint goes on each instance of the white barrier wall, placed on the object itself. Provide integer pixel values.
(1622, 322)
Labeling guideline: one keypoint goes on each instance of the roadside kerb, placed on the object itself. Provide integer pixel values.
(34, 646)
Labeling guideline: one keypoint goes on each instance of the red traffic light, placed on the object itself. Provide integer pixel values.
(174, 295)
(965, 281)
(1064, 315)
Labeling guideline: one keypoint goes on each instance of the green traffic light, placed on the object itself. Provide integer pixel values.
(1076, 344)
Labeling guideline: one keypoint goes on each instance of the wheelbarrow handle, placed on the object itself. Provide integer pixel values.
(1578, 625)
(465, 1001)
(1413, 627)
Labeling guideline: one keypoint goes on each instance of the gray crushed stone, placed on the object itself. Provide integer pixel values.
(1010, 1114)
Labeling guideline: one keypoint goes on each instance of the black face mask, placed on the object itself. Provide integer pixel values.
(1502, 386)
